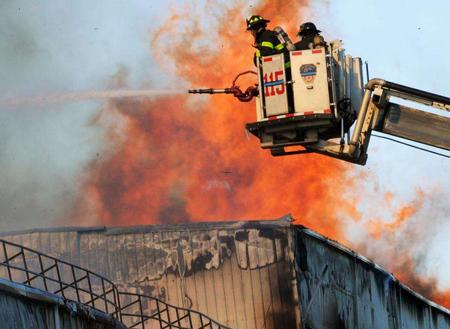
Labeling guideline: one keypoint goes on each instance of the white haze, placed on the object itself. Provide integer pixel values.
(52, 48)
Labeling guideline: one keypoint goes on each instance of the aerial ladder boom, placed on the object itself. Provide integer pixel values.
(378, 113)
(405, 122)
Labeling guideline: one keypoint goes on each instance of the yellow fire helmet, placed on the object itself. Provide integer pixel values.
(256, 21)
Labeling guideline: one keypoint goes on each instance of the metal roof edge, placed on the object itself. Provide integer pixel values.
(284, 221)
(17, 289)
(370, 263)
(31, 293)
(53, 230)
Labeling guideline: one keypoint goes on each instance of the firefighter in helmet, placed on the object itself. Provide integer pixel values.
(310, 37)
(266, 41)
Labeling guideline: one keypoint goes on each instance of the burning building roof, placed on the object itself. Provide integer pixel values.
(247, 274)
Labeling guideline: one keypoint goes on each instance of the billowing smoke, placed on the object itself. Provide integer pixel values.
(176, 159)
(402, 244)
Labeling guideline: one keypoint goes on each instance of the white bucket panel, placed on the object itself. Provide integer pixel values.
(274, 89)
(309, 71)
(259, 98)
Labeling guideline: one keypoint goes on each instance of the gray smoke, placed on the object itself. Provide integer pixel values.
(51, 48)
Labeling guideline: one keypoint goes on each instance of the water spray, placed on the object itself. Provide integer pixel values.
(15, 101)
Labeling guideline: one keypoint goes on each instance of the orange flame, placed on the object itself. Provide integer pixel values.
(173, 160)
(376, 228)
(173, 163)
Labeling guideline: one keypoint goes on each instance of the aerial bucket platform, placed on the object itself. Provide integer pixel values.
(302, 103)
(307, 100)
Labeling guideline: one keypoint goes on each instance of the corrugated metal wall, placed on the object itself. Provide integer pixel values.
(339, 289)
(240, 274)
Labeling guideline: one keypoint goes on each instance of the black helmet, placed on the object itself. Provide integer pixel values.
(256, 21)
(308, 28)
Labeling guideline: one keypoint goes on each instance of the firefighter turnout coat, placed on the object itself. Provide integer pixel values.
(267, 44)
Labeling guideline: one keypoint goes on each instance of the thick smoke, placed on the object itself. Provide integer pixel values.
(179, 159)
(50, 48)
(402, 245)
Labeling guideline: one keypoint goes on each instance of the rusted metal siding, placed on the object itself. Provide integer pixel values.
(341, 290)
(240, 274)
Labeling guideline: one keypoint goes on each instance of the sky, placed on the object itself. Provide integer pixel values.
(61, 46)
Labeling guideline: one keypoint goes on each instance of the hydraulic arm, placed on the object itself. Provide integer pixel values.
(379, 114)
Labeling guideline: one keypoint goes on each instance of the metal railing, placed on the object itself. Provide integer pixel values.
(168, 316)
(29, 267)
(33, 268)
